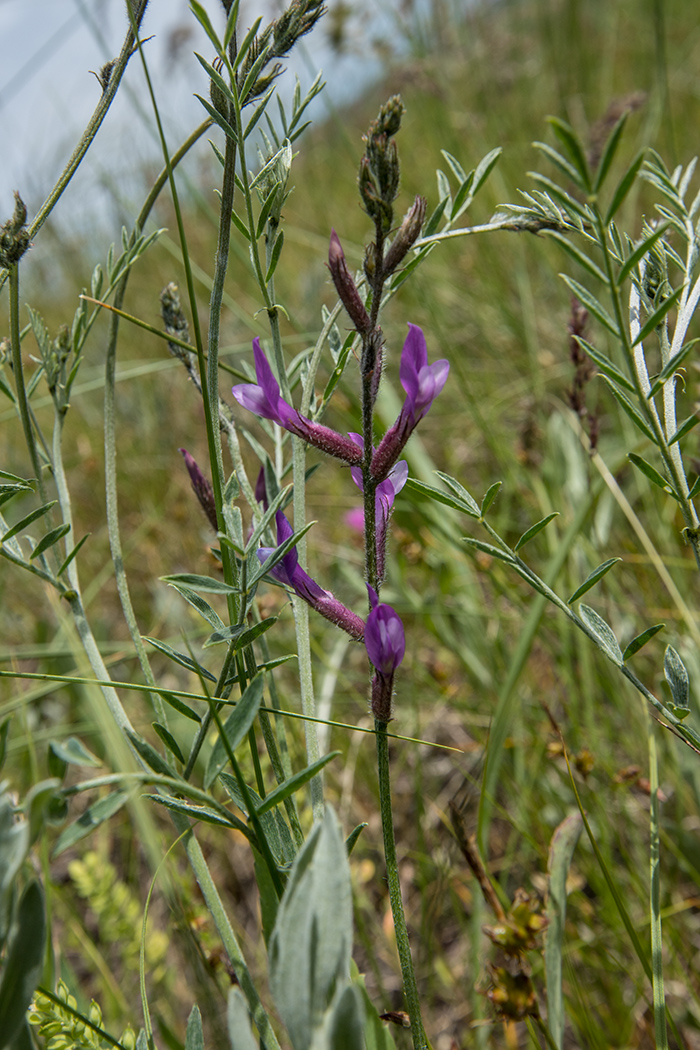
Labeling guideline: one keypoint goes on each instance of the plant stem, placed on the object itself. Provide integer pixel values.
(20, 388)
(392, 871)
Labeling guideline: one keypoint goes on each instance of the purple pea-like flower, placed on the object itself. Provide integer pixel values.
(289, 572)
(385, 642)
(422, 383)
(264, 399)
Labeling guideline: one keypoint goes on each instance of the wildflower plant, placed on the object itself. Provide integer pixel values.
(217, 760)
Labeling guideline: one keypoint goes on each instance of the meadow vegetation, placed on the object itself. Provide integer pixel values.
(509, 722)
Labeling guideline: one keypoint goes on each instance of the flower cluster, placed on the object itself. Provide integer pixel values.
(383, 632)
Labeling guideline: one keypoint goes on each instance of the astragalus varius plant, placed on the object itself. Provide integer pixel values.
(204, 764)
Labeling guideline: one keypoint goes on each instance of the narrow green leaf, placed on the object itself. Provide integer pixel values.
(169, 740)
(569, 140)
(25, 522)
(203, 813)
(240, 634)
(490, 497)
(203, 607)
(603, 633)
(235, 729)
(49, 540)
(605, 365)
(74, 752)
(486, 548)
(438, 496)
(153, 759)
(565, 167)
(576, 254)
(94, 816)
(248, 39)
(561, 851)
(238, 1021)
(289, 786)
(178, 705)
(535, 529)
(253, 72)
(71, 555)
(216, 78)
(694, 488)
(202, 17)
(200, 583)
(485, 167)
(671, 367)
(609, 151)
(240, 225)
(275, 256)
(457, 169)
(458, 489)
(194, 1036)
(624, 186)
(592, 305)
(23, 963)
(640, 251)
(652, 473)
(633, 412)
(678, 682)
(684, 428)
(591, 580)
(641, 640)
(655, 319)
(354, 835)
(179, 658)
(218, 119)
(434, 220)
(463, 197)
(231, 23)
(267, 208)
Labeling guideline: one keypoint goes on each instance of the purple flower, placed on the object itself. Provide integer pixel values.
(422, 383)
(384, 496)
(264, 399)
(290, 574)
(201, 487)
(384, 636)
(385, 642)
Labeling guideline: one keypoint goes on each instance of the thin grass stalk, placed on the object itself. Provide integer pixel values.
(657, 963)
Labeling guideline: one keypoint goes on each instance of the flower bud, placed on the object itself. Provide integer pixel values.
(346, 287)
(407, 235)
(14, 238)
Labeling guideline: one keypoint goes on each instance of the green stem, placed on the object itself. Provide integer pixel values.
(657, 966)
(20, 388)
(410, 986)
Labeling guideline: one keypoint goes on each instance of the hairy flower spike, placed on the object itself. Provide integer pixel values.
(264, 399)
(346, 287)
(202, 489)
(422, 383)
(290, 574)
